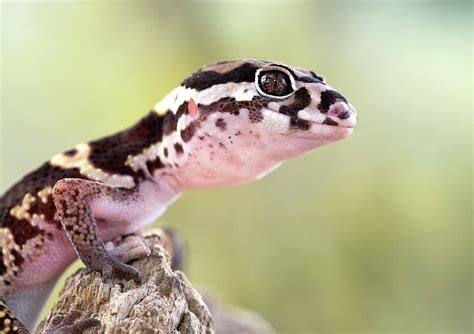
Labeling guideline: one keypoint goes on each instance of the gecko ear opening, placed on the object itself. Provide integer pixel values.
(193, 109)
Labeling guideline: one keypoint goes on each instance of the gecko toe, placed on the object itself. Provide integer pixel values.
(70, 317)
(106, 273)
(56, 320)
(112, 262)
(61, 324)
(127, 271)
(82, 325)
(131, 250)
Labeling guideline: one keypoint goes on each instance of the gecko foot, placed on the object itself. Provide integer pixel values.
(61, 324)
(113, 260)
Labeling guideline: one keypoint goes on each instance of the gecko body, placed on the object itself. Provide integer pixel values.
(229, 123)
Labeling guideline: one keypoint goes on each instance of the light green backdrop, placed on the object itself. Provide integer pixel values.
(373, 233)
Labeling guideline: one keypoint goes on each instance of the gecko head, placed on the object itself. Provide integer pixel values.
(244, 118)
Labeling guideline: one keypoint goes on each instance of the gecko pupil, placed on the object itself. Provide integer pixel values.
(275, 83)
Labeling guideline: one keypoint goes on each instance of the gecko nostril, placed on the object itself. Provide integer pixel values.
(337, 109)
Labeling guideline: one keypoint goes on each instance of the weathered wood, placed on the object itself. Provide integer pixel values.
(164, 302)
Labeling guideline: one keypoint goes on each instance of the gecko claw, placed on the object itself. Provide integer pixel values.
(56, 320)
(61, 324)
(111, 260)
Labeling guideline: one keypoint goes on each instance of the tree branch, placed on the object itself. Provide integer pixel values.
(164, 302)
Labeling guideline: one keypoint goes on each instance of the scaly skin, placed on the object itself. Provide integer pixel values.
(229, 123)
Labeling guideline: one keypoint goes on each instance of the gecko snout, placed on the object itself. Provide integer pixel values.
(337, 109)
(343, 114)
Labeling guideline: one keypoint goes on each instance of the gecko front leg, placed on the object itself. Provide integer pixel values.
(75, 200)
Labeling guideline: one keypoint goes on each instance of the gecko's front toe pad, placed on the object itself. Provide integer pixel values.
(61, 324)
(113, 260)
(129, 251)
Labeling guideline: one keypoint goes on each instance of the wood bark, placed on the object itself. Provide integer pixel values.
(164, 302)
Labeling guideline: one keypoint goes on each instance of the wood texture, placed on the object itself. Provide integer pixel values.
(165, 301)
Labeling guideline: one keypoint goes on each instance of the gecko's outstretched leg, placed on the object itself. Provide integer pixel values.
(79, 203)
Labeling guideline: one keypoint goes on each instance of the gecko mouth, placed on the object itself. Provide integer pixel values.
(338, 115)
(329, 131)
(325, 129)
(328, 124)
(312, 124)
(342, 120)
(346, 119)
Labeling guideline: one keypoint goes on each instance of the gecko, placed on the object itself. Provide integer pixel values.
(228, 123)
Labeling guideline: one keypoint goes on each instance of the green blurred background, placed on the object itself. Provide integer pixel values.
(370, 234)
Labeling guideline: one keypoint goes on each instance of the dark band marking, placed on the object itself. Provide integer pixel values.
(329, 121)
(165, 152)
(287, 110)
(223, 105)
(170, 120)
(328, 98)
(3, 268)
(255, 116)
(188, 132)
(47, 209)
(178, 148)
(221, 124)
(286, 68)
(111, 153)
(45, 175)
(22, 230)
(9, 321)
(310, 79)
(19, 259)
(205, 79)
(314, 75)
(231, 106)
(154, 165)
(70, 153)
(301, 100)
(299, 123)
(345, 115)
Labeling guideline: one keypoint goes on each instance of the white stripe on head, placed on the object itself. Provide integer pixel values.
(174, 99)
(240, 91)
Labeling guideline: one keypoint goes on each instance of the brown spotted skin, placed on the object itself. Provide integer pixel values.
(8, 322)
(20, 226)
(233, 107)
(37, 225)
(108, 153)
(224, 125)
(72, 198)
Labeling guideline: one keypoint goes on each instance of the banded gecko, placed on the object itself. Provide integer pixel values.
(230, 122)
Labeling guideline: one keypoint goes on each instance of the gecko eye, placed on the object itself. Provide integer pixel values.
(275, 82)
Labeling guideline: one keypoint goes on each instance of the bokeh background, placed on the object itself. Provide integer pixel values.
(370, 234)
